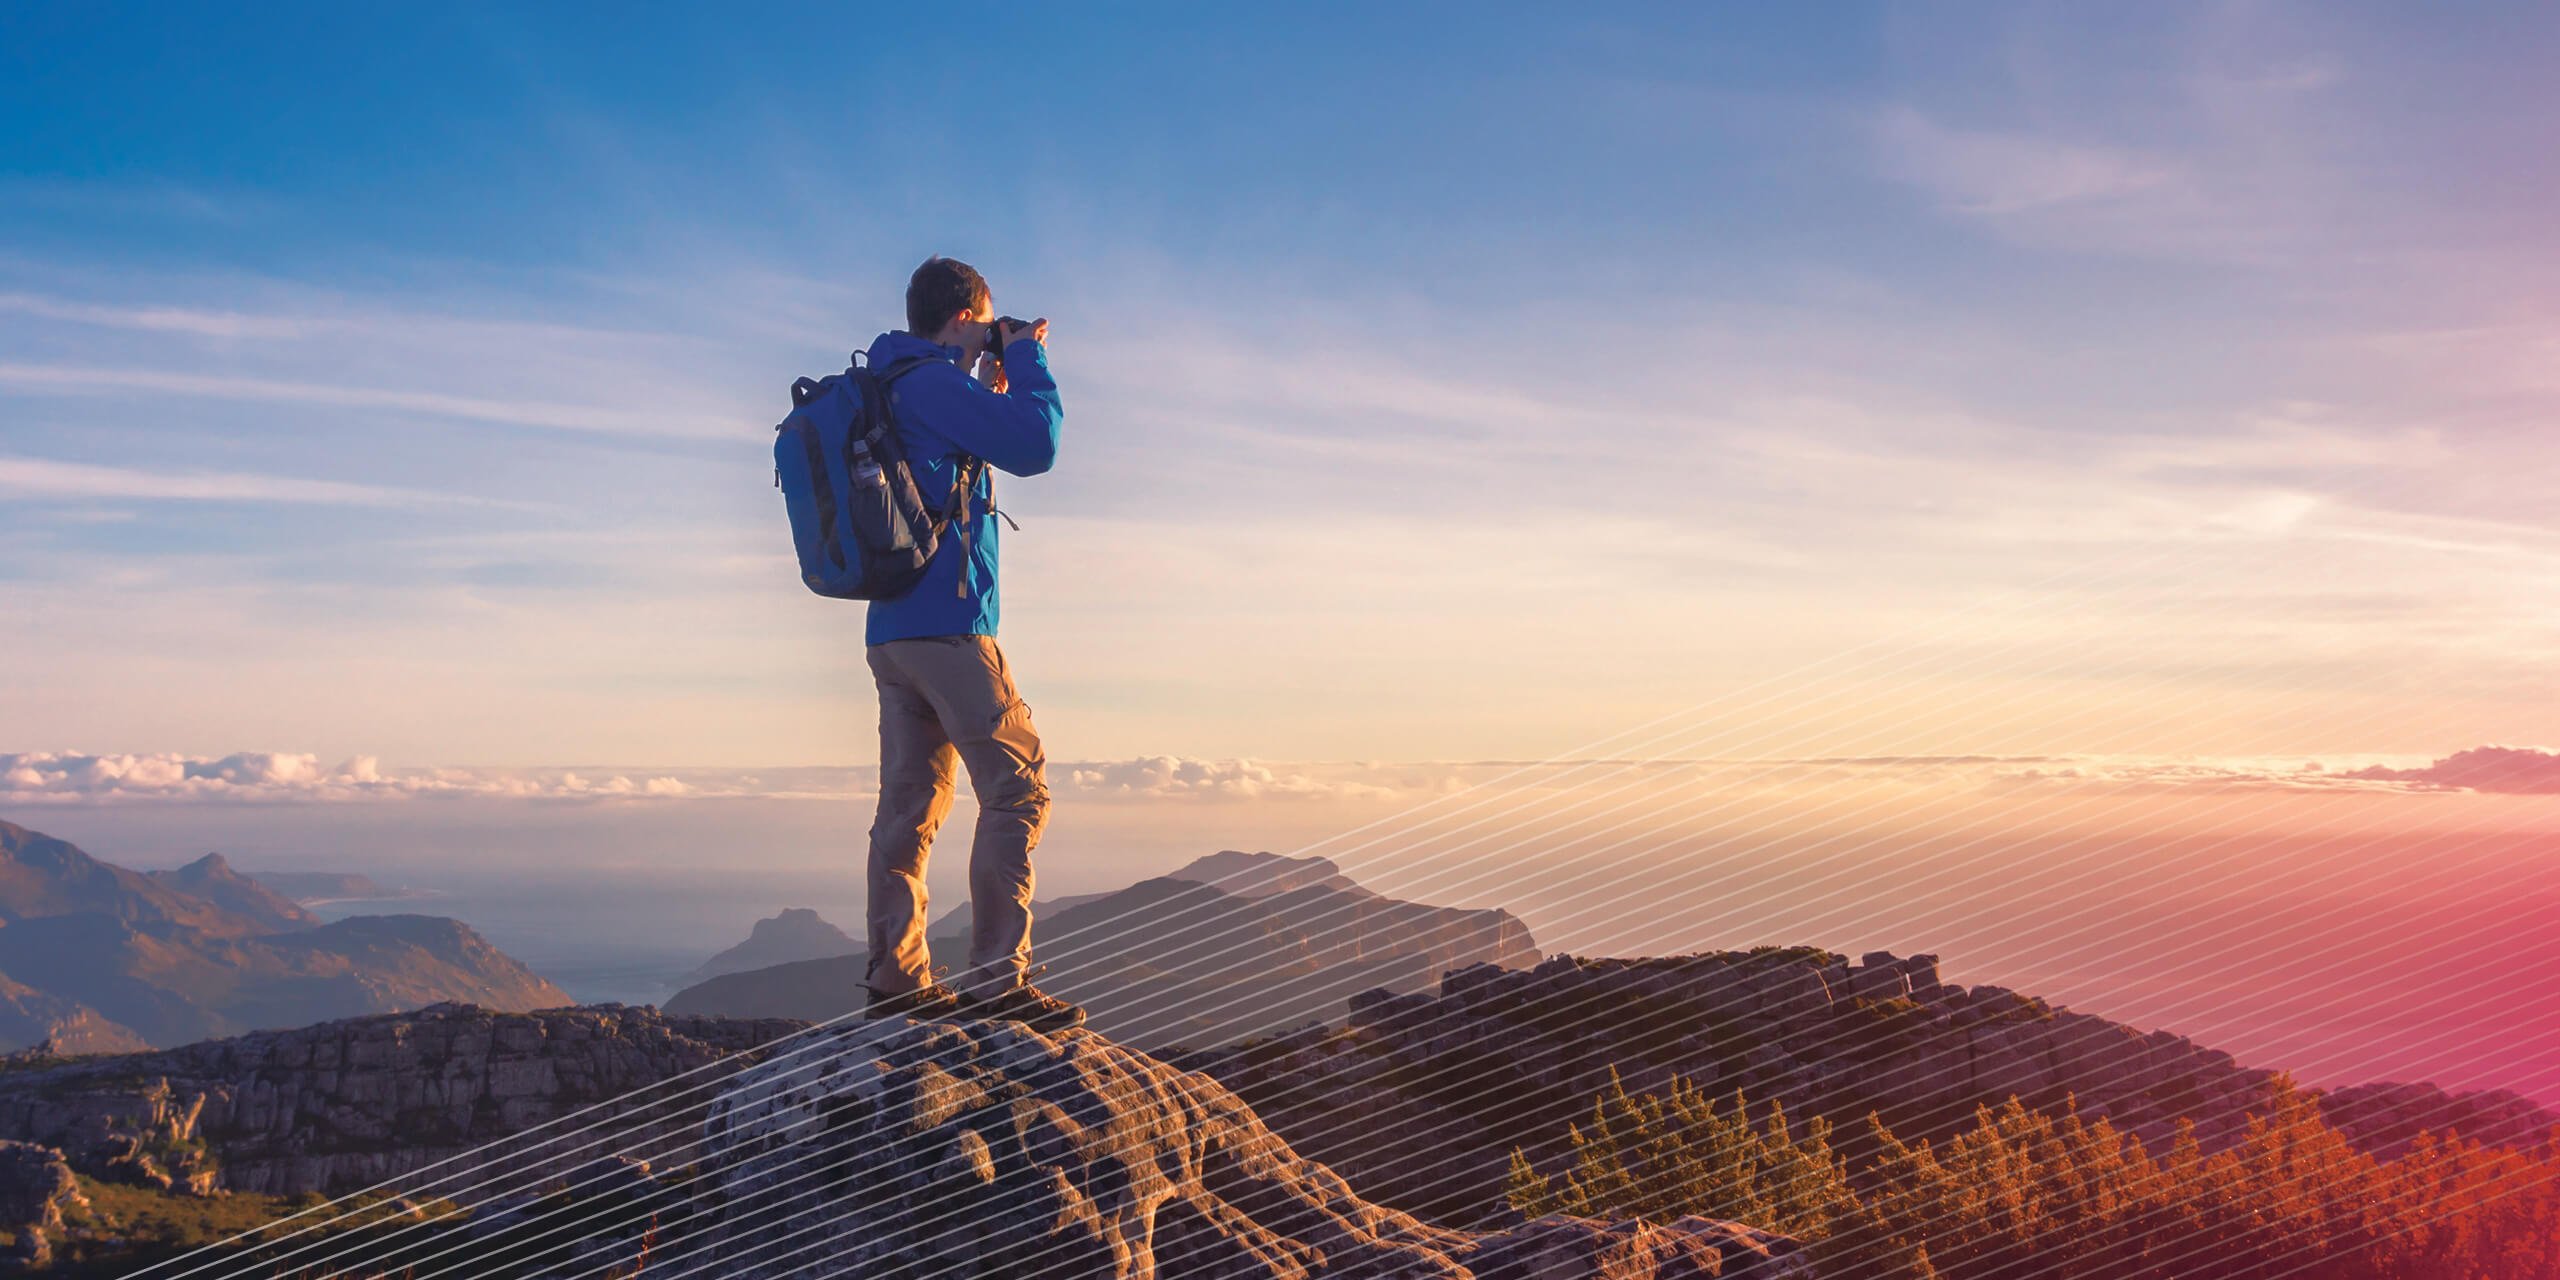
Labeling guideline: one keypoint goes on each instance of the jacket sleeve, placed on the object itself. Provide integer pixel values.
(1016, 431)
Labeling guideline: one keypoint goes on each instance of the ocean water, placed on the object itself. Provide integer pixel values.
(620, 934)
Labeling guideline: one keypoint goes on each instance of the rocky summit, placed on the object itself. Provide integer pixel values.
(984, 1149)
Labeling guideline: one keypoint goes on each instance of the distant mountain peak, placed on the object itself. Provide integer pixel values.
(786, 937)
(1263, 873)
(790, 920)
(211, 878)
(103, 955)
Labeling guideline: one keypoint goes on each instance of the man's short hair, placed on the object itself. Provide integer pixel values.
(940, 289)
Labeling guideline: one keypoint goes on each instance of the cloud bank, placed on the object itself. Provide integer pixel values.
(47, 777)
(2494, 770)
(268, 777)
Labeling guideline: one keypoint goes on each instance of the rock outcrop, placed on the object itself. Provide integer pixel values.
(984, 1149)
(35, 1187)
(1421, 1098)
(345, 1104)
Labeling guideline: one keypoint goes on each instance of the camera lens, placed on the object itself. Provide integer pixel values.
(995, 335)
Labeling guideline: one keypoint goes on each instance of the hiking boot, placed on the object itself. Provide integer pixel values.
(1028, 1005)
(930, 1003)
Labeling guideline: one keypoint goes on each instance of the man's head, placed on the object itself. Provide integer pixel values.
(948, 302)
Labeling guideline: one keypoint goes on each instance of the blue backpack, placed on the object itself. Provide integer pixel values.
(862, 530)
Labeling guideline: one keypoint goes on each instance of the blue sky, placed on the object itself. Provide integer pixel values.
(396, 383)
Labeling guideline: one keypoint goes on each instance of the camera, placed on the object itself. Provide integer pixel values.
(995, 334)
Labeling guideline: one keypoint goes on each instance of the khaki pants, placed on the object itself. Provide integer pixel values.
(947, 701)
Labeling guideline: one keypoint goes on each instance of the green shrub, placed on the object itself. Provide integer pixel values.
(2024, 1194)
(1659, 1156)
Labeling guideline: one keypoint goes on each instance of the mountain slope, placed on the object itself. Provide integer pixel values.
(212, 879)
(103, 957)
(32, 1017)
(42, 876)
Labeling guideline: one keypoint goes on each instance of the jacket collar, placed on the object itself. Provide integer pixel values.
(898, 344)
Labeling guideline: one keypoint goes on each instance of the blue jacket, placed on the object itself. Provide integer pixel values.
(943, 411)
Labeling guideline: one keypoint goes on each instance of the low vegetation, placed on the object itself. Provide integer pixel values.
(124, 1227)
(2025, 1195)
(238, 1236)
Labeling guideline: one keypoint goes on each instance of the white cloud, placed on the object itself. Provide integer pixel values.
(60, 778)
(1171, 776)
(98, 380)
(154, 318)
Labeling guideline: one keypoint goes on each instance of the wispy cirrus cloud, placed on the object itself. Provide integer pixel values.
(45, 479)
(252, 777)
(64, 379)
(1991, 172)
(153, 317)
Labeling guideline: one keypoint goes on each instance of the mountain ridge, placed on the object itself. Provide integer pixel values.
(97, 957)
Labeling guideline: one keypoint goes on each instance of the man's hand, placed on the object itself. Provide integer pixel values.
(991, 372)
(1037, 331)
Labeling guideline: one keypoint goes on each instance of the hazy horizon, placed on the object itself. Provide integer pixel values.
(2346, 920)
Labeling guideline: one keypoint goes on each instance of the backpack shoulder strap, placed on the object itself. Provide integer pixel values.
(897, 369)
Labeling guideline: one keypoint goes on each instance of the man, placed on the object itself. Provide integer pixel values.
(947, 697)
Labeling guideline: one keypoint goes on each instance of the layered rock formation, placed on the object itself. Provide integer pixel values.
(97, 958)
(1180, 960)
(1421, 1097)
(346, 1104)
(984, 1149)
